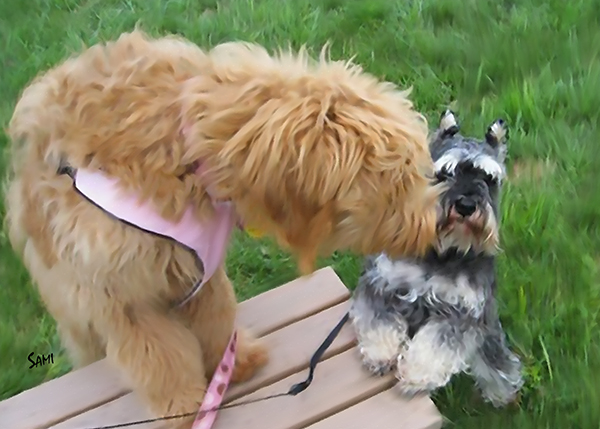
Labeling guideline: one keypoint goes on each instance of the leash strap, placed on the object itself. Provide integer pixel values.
(316, 357)
(216, 390)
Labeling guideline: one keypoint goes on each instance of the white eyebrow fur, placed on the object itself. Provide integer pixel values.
(486, 163)
(490, 166)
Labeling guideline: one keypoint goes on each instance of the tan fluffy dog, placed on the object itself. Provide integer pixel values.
(317, 154)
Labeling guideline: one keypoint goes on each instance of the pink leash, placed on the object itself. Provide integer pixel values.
(216, 390)
(208, 239)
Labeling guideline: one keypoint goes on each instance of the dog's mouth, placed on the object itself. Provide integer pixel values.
(474, 231)
(473, 224)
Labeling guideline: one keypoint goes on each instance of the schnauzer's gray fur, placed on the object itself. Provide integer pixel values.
(428, 319)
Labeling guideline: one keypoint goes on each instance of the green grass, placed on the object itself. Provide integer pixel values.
(533, 62)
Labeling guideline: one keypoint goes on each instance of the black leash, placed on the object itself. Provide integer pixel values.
(316, 357)
(293, 391)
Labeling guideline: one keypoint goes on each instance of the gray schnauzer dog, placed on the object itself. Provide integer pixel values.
(430, 318)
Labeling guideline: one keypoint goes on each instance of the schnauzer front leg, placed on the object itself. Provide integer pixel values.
(437, 352)
(497, 370)
(380, 338)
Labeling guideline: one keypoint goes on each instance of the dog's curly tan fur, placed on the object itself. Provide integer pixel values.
(316, 153)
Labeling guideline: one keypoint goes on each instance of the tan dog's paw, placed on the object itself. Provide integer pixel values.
(252, 354)
(185, 403)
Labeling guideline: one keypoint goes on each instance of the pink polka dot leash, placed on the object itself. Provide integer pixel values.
(217, 387)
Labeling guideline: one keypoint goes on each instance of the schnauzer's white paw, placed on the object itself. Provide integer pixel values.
(380, 348)
(419, 377)
(379, 368)
(429, 364)
(379, 361)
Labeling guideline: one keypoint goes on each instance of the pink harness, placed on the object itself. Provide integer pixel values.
(208, 239)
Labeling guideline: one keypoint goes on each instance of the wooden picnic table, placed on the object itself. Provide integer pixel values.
(294, 319)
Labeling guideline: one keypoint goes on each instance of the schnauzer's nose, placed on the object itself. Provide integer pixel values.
(465, 206)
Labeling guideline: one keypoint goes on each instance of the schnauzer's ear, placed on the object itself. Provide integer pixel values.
(497, 136)
(447, 128)
(448, 124)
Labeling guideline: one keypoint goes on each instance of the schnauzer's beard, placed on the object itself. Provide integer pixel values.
(478, 232)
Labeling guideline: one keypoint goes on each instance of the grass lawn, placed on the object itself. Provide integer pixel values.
(533, 62)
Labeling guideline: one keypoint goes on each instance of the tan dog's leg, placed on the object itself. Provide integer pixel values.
(82, 343)
(160, 356)
(61, 294)
(212, 318)
(157, 354)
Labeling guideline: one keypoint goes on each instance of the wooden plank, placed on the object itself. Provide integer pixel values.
(126, 409)
(293, 346)
(339, 383)
(61, 397)
(293, 301)
(99, 383)
(386, 410)
(291, 349)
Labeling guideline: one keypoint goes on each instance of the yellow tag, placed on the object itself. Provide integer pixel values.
(254, 233)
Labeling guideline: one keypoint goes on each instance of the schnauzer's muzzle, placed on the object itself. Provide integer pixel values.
(465, 206)
(465, 211)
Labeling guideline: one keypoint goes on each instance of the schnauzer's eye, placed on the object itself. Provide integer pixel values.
(491, 180)
(443, 175)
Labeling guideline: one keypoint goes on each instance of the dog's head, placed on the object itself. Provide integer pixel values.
(473, 171)
(317, 153)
